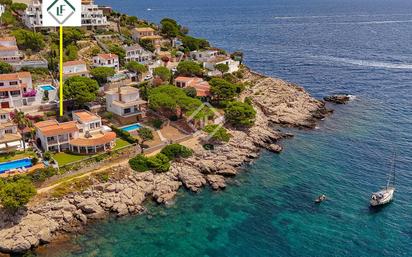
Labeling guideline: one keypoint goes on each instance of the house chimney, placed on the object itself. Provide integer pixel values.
(119, 91)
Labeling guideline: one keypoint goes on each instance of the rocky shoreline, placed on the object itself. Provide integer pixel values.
(277, 103)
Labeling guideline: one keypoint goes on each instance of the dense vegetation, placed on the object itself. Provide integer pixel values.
(124, 135)
(176, 151)
(223, 90)
(15, 194)
(217, 133)
(29, 40)
(157, 163)
(174, 100)
(134, 66)
(145, 134)
(5, 68)
(101, 74)
(80, 89)
(189, 68)
(161, 161)
(239, 114)
(163, 73)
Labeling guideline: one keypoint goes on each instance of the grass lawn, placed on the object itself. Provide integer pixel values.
(66, 158)
(20, 155)
(120, 143)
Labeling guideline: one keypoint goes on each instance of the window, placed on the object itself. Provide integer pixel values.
(3, 116)
(13, 83)
(1, 84)
(127, 110)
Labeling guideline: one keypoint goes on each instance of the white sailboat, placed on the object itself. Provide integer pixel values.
(385, 195)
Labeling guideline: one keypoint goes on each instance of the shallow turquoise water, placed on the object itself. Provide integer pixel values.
(357, 46)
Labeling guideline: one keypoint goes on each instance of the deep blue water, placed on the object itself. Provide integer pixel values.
(361, 47)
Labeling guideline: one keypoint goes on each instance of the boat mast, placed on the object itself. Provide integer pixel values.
(392, 173)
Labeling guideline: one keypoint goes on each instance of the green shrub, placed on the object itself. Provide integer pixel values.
(217, 133)
(145, 134)
(41, 175)
(108, 115)
(104, 177)
(50, 113)
(5, 68)
(240, 114)
(157, 123)
(34, 160)
(16, 194)
(124, 135)
(47, 156)
(159, 163)
(176, 151)
(139, 163)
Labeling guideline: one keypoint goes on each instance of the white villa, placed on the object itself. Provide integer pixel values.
(125, 103)
(13, 87)
(138, 54)
(106, 60)
(92, 16)
(75, 68)
(211, 58)
(10, 138)
(9, 52)
(203, 56)
(84, 135)
(220, 59)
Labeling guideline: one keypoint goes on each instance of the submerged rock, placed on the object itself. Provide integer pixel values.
(337, 99)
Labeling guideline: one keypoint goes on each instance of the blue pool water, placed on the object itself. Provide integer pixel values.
(22, 163)
(360, 47)
(132, 127)
(48, 88)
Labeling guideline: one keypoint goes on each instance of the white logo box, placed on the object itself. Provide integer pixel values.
(67, 13)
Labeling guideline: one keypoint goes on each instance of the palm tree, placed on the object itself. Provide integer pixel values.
(22, 122)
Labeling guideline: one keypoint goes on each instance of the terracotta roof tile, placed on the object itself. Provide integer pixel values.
(86, 116)
(95, 141)
(108, 56)
(15, 76)
(53, 128)
(72, 63)
(146, 29)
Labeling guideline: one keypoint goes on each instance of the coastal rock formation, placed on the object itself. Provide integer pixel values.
(216, 181)
(276, 102)
(337, 99)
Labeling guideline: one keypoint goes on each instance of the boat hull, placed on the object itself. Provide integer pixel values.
(382, 197)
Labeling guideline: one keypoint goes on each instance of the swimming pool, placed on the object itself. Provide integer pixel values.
(17, 164)
(47, 88)
(132, 127)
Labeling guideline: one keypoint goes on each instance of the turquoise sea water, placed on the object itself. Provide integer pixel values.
(361, 47)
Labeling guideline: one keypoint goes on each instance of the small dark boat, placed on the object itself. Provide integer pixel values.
(320, 199)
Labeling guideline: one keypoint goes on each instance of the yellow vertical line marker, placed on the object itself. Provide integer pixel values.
(61, 71)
